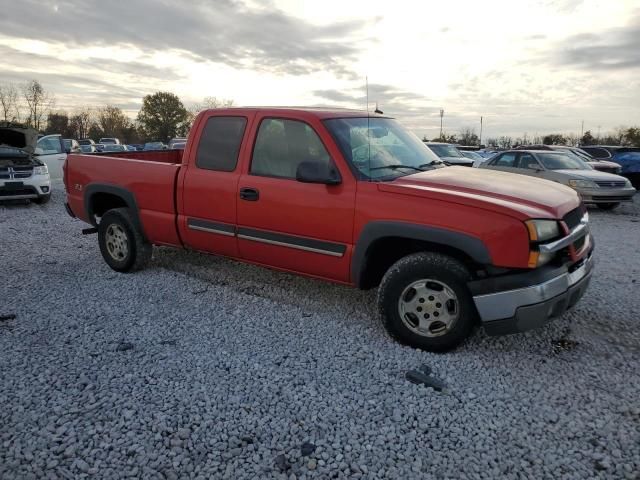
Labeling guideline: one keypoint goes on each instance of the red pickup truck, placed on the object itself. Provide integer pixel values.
(352, 198)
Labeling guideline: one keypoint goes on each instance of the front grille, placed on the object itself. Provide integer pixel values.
(611, 183)
(10, 173)
(10, 192)
(611, 199)
(572, 219)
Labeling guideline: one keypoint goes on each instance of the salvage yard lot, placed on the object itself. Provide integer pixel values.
(203, 367)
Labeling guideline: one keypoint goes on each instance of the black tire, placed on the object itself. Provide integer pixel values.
(138, 250)
(442, 269)
(607, 206)
(42, 199)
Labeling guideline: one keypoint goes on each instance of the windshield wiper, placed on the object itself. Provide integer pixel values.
(396, 167)
(433, 162)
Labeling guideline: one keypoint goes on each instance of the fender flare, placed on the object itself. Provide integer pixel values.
(374, 231)
(128, 197)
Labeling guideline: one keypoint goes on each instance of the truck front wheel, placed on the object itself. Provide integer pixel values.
(425, 303)
(121, 243)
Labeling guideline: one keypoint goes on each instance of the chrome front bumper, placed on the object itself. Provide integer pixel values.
(522, 309)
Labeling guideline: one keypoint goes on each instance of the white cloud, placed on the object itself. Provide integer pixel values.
(526, 66)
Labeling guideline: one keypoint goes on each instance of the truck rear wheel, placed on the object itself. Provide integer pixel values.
(425, 303)
(121, 243)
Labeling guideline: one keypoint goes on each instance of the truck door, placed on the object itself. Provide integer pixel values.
(207, 213)
(288, 224)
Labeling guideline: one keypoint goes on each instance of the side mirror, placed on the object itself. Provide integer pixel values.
(38, 151)
(534, 167)
(311, 171)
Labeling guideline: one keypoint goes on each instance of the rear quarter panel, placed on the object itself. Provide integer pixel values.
(151, 183)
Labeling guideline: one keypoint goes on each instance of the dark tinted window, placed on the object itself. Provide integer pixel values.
(526, 160)
(282, 144)
(597, 152)
(220, 143)
(505, 160)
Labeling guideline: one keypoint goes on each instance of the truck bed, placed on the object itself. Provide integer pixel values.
(162, 156)
(151, 176)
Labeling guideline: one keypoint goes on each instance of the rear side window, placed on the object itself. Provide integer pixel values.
(220, 143)
(282, 144)
(597, 152)
(505, 160)
(527, 160)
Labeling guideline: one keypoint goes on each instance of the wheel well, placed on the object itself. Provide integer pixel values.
(384, 252)
(101, 202)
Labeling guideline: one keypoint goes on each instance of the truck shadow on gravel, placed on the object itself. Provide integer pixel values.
(344, 304)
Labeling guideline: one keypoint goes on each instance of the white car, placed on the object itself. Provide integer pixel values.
(22, 174)
(50, 150)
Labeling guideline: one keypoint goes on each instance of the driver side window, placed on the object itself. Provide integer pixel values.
(281, 145)
(49, 145)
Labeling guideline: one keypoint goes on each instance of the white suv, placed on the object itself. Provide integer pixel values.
(22, 175)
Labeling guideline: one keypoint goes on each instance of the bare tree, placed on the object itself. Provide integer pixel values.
(505, 142)
(112, 121)
(572, 139)
(210, 102)
(9, 103)
(38, 101)
(81, 122)
(468, 136)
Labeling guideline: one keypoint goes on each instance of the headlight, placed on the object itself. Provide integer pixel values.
(42, 170)
(542, 230)
(582, 184)
(627, 183)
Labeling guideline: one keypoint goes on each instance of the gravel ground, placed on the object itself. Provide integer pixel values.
(200, 367)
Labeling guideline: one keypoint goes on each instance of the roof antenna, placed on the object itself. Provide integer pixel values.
(366, 83)
(377, 110)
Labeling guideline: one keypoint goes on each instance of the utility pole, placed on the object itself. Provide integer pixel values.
(480, 139)
(599, 133)
(582, 130)
(441, 115)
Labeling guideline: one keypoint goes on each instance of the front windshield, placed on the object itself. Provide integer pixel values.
(445, 150)
(380, 148)
(561, 161)
(472, 155)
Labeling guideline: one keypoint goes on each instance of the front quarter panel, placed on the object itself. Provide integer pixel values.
(505, 238)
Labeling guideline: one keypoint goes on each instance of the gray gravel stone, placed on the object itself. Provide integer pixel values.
(265, 361)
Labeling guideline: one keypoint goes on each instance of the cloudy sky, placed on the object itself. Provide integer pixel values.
(534, 66)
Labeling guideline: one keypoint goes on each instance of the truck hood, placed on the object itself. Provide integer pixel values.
(18, 137)
(512, 194)
(590, 175)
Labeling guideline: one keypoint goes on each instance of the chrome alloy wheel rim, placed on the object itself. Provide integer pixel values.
(117, 242)
(429, 308)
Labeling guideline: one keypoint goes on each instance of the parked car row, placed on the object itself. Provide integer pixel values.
(597, 180)
(603, 189)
